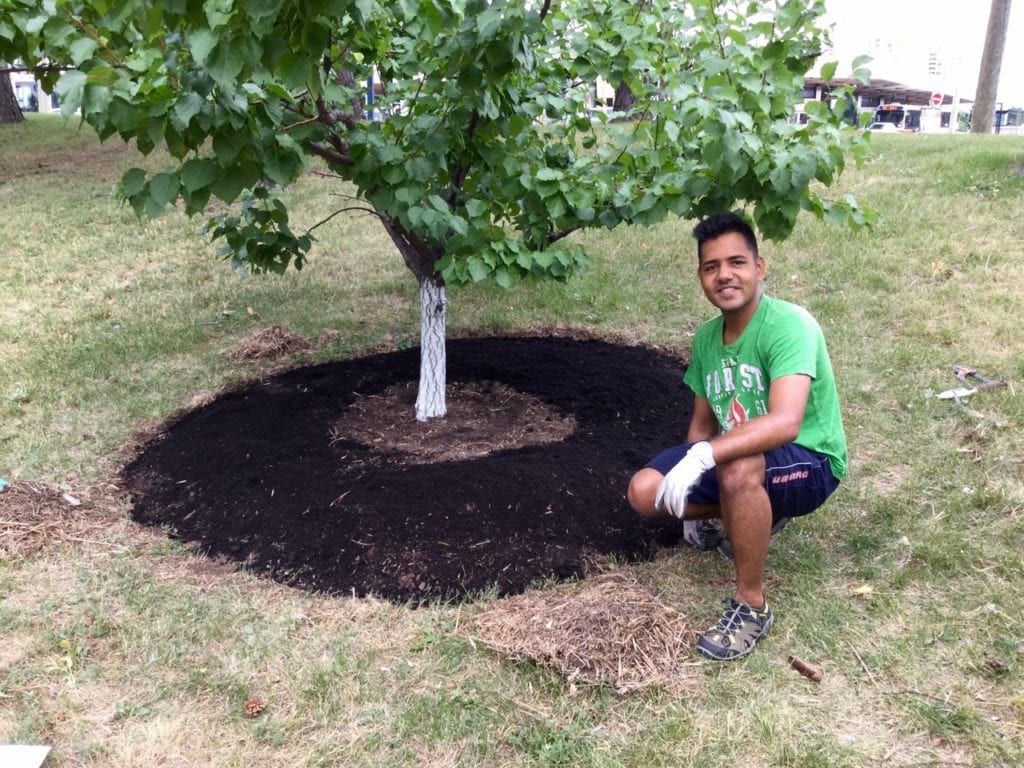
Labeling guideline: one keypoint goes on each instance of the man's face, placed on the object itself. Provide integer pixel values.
(731, 274)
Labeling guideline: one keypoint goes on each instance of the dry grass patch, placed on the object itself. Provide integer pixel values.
(35, 515)
(607, 630)
(276, 342)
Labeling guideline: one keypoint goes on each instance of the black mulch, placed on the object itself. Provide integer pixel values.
(253, 476)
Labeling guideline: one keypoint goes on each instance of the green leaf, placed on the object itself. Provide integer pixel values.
(163, 188)
(82, 50)
(201, 42)
(504, 277)
(226, 62)
(860, 61)
(392, 174)
(197, 173)
(489, 22)
(548, 174)
(228, 185)
(259, 9)
(477, 269)
(132, 182)
(70, 89)
(365, 8)
(218, 12)
(828, 70)
(186, 108)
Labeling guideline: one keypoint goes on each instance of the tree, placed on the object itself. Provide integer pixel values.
(991, 64)
(10, 112)
(487, 159)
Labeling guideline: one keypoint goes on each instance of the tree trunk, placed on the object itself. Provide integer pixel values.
(991, 63)
(10, 112)
(430, 399)
(624, 98)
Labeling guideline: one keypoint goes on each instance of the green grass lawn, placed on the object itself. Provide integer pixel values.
(121, 649)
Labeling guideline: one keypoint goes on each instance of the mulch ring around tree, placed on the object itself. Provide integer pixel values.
(276, 476)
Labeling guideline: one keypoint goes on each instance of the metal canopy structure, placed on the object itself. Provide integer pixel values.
(888, 90)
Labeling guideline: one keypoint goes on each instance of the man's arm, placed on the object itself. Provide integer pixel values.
(787, 401)
(703, 424)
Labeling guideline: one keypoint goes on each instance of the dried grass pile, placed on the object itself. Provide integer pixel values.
(604, 630)
(274, 342)
(33, 515)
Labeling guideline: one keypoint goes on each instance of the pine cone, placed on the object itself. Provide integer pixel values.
(254, 706)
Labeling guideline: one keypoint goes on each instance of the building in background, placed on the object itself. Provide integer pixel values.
(30, 94)
(917, 51)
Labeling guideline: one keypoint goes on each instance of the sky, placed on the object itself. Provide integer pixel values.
(901, 35)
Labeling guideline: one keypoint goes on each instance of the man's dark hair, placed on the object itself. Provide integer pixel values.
(719, 224)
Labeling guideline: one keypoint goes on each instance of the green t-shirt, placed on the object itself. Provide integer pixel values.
(781, 339)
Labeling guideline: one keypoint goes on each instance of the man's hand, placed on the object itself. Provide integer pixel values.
(682, 477)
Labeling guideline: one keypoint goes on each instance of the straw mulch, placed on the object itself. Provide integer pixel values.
(34, 515)
(606, 630)
(275, 342)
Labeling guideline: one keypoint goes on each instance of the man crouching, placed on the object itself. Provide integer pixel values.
(766, 441)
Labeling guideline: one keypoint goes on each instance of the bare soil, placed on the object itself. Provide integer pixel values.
(483, 417)
(282, 477)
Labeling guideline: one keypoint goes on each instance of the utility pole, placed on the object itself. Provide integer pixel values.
(991, 62)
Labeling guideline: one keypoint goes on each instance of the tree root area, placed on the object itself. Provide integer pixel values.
(258, 477)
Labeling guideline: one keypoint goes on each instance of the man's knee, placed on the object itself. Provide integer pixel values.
(741, 474)
(643, 490)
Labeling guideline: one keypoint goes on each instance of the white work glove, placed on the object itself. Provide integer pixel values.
(682, 477)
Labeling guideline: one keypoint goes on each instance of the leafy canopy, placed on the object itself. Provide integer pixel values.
(488, 156)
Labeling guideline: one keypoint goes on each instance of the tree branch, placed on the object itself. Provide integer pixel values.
(330, 155)
(342, 210)
(544, 10)
(307, 121)
(557, 235)
(331, 117)
(462, 170)
(417, 255)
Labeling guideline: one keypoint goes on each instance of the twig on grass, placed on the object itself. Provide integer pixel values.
(863, 665)
(944, 702)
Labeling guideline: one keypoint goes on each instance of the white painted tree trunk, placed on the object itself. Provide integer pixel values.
(430, 401)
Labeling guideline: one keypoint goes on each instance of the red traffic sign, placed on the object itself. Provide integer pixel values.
(937, 99)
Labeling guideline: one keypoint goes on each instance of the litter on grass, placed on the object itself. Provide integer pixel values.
(973, 382)
(959, 393)
(605, 630)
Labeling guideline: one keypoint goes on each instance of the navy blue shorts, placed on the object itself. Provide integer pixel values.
(798, 480)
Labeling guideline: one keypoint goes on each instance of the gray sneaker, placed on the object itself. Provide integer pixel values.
(703, 534)
(725, 548)
(736, 632)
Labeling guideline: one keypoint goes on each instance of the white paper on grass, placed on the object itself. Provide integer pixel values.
(22, 755)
